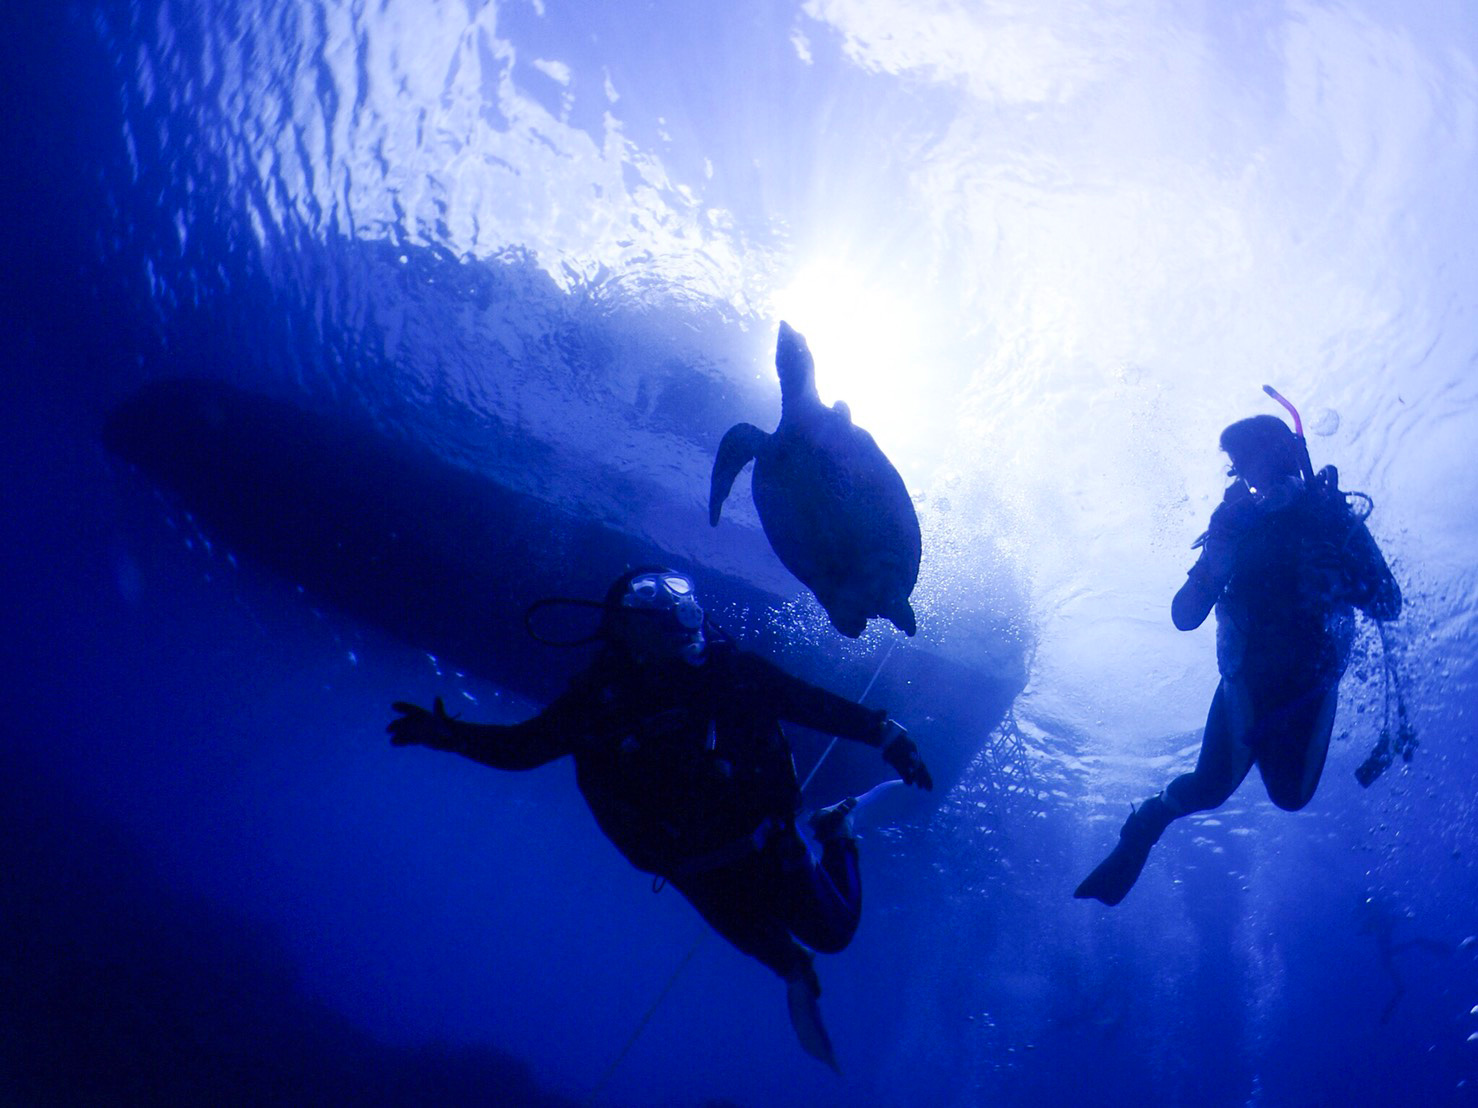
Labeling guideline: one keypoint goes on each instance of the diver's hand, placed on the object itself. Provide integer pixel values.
(418, 727)
(900, 752)
(1237, 512)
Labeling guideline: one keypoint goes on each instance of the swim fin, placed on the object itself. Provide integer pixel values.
(801, 994)
(877, 791)
(1111, 881)
(835, 822)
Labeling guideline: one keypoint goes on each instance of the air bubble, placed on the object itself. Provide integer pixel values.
(1324, 422)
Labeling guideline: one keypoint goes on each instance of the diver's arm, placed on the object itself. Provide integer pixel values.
(527, 745)
(795, 700)
(1208, 578)
(809, 705)
(812, 706)
(1196, 598)
(1371, 587)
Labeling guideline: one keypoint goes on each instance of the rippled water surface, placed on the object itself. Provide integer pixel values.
(1044, 252)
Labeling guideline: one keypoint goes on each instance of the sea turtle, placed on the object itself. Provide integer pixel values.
(833, 507)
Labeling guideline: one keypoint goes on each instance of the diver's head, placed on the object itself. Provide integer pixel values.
(1264, 454)
(653, 611)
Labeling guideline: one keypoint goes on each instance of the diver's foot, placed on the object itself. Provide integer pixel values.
(1111, 881)
(801, 994)
(834, 822)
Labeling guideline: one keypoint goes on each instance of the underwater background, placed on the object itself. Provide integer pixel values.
(337, 332)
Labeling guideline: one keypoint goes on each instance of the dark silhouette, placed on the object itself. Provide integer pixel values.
(1378, 918)
(1285, 562)
(835, 510)
(679, 752)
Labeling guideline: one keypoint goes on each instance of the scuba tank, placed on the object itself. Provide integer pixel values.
(1324, 486)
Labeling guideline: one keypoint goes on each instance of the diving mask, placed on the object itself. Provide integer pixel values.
(670, 596)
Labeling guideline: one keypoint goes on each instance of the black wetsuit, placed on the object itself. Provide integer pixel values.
(1285, 621)
(687, 771)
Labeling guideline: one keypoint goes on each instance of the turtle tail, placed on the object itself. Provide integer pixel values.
(738, 448)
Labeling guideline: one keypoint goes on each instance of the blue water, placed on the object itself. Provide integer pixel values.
(1044, 252)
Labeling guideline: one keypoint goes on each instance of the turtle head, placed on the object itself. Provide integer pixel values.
(794, 364)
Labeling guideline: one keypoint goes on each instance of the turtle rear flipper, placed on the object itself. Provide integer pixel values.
(900, 614)
(737, 449)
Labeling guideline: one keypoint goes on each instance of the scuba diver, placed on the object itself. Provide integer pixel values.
(679, 752)
(1285, 561)
(1378, 918)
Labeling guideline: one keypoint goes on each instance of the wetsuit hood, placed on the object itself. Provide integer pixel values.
(654, 610)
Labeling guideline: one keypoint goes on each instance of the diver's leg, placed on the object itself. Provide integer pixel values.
(1435, 947)
(1225, 756)
(739, 902)
(823, 900)
(1388, 954)
(1222, 764)
(741, 907)
(1295, 747)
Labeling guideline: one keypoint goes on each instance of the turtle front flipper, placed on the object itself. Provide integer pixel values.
(738, 448)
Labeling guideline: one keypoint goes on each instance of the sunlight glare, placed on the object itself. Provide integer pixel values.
(866, 342)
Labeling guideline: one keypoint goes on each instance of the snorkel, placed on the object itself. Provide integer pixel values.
(1306, 466)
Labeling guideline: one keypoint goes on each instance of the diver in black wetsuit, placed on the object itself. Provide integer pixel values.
(679, 752)
(1285, 562)
(1378, 918)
